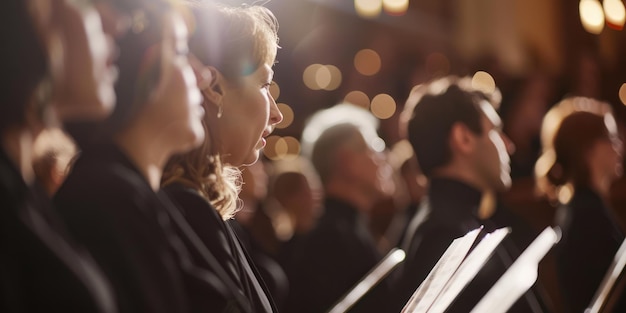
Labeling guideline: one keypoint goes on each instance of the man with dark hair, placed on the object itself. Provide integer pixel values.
(456, 134)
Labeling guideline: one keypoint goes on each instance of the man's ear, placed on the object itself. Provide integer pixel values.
(462, 140)
(210, 83)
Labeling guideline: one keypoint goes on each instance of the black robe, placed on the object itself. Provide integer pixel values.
(41, 268)
(331, 259)
(222, 242)
(110, 207)
(589, 242)
(453, 208)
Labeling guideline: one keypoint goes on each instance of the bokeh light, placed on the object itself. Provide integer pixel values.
(615, 13)
(335, 78)
(322, 77)
(591, 16)
(275, 90)
(270, 147)
(358, 98)
(367, 62)
(368, 8)
(288, 115)
(310, 76)
(383, 106)
(318, 76)
(484, 82)
(396, 7)
(622, 94)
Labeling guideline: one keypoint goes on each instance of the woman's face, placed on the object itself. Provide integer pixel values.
(175, 107)
(249, 115)
(82, 67)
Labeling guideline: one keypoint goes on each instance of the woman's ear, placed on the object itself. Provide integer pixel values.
(210, 82)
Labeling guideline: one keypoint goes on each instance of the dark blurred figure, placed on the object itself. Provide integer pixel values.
(54, 66)
(254, 227)
(457, 137)
(582, 157)
(335, 255)
(293, 202)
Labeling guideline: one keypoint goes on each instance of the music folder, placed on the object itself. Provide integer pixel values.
(371, 279)
(603, 294)
(520, 276)
(455, 269)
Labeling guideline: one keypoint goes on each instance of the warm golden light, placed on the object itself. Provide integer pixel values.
(322, 77)
(287, 116)
(357, 98)
(591, 15)
(615, 13)
(310, 76)
(293, 147)
(335, 77)
(396, 7)
(383, 106)
(622, 94)
(275, 90)
(270, 147)
(368, 8)
(367, 62)
(484, 82)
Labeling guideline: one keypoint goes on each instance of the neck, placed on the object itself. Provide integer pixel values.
(18, 143)
(350, 193)
(146, 153)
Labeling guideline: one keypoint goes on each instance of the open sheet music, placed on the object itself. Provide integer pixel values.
(380, 271)
(454, 270)
(608, 282)
(520, 276)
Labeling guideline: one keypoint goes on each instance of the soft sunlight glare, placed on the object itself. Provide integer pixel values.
(287, 115)
(322, 77)
(591, 16)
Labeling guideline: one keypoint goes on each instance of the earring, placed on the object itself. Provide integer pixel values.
(219, 111)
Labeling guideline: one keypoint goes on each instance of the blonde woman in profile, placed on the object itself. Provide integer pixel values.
(582, 157)
(235, 49)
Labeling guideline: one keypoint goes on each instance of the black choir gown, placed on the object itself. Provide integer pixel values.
(590, 239)
(110, 207)
(221, 241)
(331, 259)
(453, 208)
(41, 267)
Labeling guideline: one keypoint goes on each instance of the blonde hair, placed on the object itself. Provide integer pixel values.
(236, 41)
